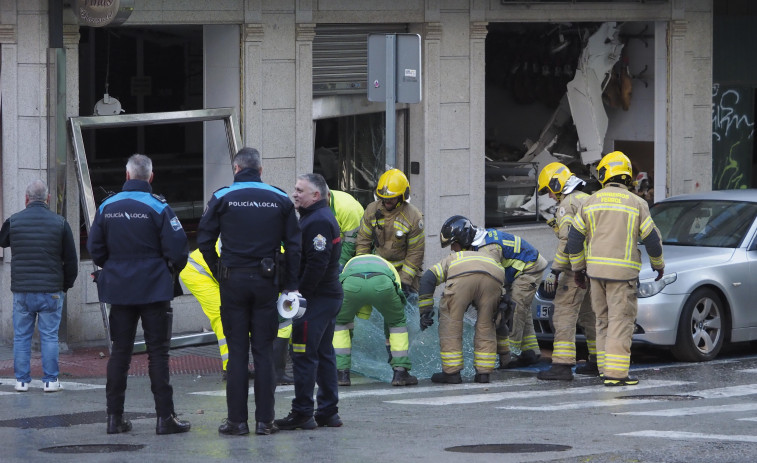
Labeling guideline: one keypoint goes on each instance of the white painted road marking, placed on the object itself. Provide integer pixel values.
(540, 394)
(578, 405)
(344, 394)
(65, 385)
(680, 435)
(740, 407)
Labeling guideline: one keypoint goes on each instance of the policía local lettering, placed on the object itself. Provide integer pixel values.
(126, 215)
(251, 204)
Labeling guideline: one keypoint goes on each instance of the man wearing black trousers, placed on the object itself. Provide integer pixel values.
(313, 355)
(139, 242)
(253, 220)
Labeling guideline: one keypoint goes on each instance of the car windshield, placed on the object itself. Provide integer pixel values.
(703, 223)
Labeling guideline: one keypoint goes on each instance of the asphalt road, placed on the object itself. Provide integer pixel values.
(678, 413)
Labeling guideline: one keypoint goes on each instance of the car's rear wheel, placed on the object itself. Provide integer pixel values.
(701, 328)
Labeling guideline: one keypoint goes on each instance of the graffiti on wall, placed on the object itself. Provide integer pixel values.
(732, 136)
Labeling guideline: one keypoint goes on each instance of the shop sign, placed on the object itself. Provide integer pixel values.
(99, 13)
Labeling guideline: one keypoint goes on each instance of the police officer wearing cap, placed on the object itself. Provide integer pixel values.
(313, 355)
(253, 220)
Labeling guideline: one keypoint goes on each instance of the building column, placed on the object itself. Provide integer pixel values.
(431, 106)
(304, 35)
(678, 161)
(252, 86)
(477, 116)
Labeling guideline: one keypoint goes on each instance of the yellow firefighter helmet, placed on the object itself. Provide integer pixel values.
(392, 184)
(553, 177)
(615, 164)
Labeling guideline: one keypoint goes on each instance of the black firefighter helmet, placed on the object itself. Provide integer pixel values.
(457, 229)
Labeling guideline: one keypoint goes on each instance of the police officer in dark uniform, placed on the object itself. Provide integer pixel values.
(140, 244)
(253, 220)
(313, 355)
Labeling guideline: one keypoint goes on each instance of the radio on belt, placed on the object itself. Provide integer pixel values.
(291, 305)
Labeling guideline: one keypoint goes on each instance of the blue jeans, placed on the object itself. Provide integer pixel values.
(45, 309)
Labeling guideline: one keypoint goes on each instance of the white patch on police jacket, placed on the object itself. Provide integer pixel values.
(319, 242)
(420, 224)
(175, 224)
(561, 212)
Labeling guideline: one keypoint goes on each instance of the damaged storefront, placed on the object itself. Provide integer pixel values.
(507, 86)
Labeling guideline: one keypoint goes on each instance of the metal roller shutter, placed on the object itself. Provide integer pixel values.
(340, 56)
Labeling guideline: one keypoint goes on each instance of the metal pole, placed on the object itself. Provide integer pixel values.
(391, 99)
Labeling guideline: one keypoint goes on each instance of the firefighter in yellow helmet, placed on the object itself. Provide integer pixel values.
(393, 229)
(610, 222)
(571, 302)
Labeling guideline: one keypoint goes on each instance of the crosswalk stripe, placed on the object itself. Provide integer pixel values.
(578, 405)
(680, 435)
(540, 394)
(748, 370)
(718, 393)
(688, 411)
(753, 418)
(343, 394)
(724, 392)
(65, 385)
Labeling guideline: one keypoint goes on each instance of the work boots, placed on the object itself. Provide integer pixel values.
(526, 358)
(558, 371)
(403, 378)
(343, 377)
(447, 378)
(481, 378)
(504, 360)
(280, 358)
(589, 368)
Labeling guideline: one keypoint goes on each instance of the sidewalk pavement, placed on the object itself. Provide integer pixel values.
(91, 362)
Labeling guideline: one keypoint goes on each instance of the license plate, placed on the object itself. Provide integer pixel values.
(543, 311)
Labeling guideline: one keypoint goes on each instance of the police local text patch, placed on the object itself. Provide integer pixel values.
(319, 242)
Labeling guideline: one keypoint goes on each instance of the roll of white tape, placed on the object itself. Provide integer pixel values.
(291, 305)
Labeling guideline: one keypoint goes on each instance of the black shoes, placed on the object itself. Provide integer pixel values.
(117, 424)
(444, 378)
(504, 360)
(588, 369)
(403, 378)
(343, 377)
(627, 381)
(526, 358)
(231, 428)
(332, 421)
(296, 421)
(558, 371)
(171, 425)
(264, 429)
(481, 378)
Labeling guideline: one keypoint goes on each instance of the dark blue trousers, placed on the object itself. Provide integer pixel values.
(313, 358)
(249, 319)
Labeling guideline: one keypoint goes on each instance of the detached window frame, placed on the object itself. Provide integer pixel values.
(77, 124)
(130, 120)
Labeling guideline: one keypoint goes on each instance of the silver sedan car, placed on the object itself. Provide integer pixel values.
(708, 295)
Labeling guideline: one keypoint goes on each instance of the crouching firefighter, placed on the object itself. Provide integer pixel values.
(471, 278)
(369, 280)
